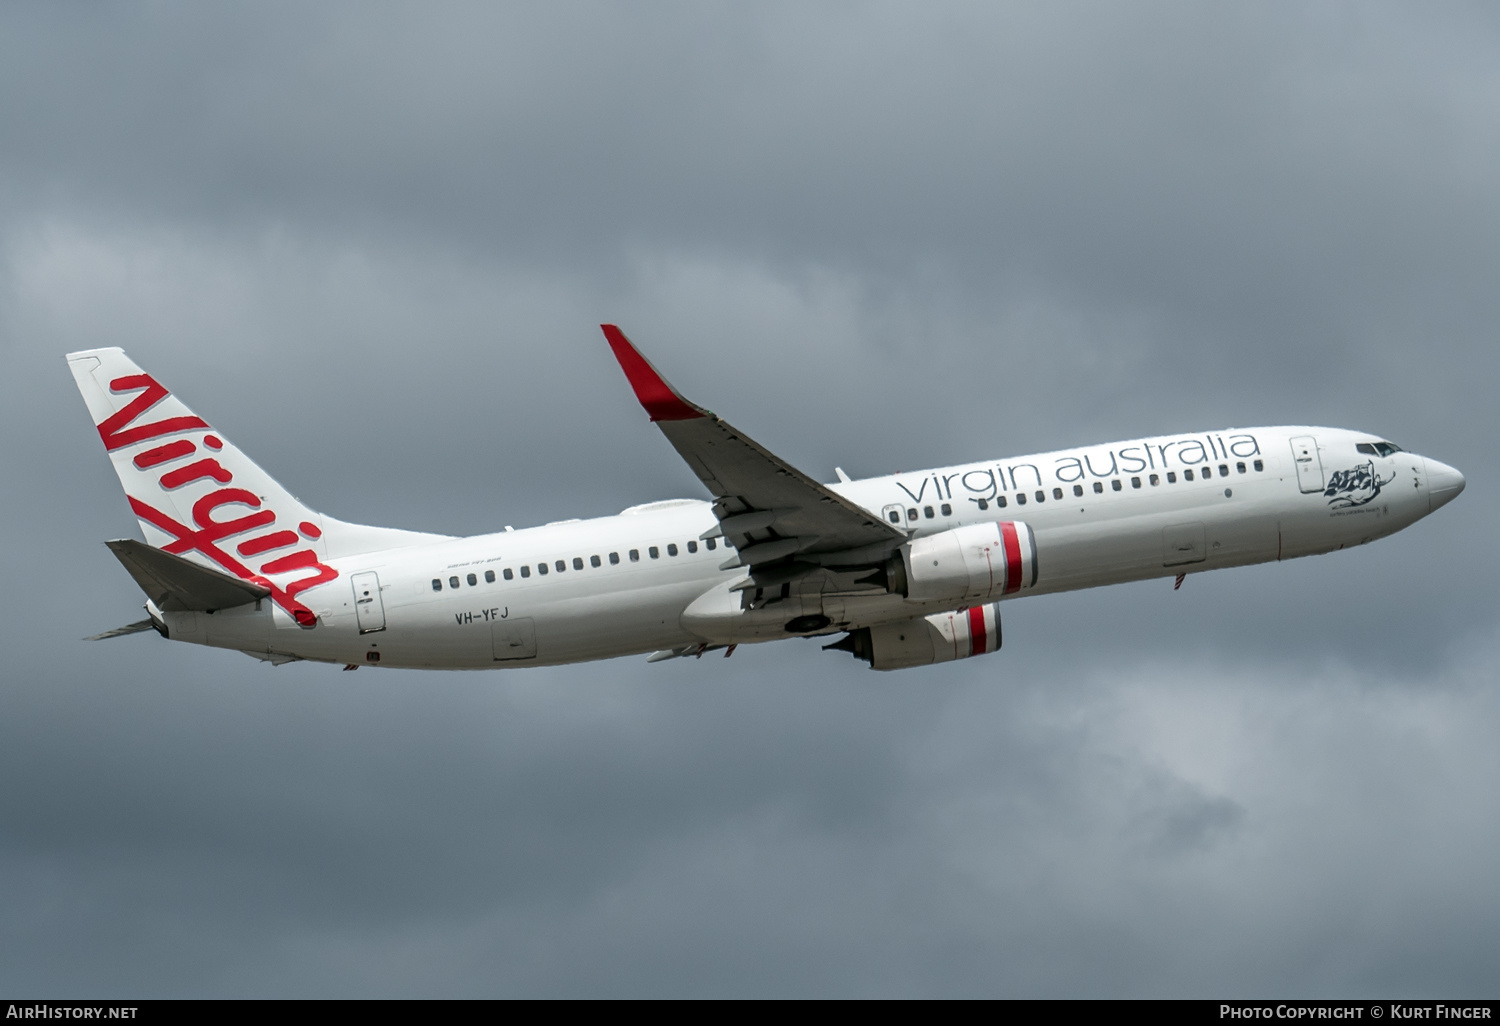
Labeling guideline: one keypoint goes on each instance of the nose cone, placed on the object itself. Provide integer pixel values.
(1443, 483)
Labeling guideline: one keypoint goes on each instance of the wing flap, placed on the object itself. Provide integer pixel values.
(175, 583)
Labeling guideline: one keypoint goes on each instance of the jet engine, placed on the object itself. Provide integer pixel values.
(923, 640)
(969, 564)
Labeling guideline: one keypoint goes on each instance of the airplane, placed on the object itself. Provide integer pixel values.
(909, 569)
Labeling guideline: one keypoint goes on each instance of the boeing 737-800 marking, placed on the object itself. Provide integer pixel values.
(910, 569)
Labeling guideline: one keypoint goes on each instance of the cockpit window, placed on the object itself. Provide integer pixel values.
(1378, 448)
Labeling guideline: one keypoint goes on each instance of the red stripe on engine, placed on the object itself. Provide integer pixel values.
(978, 644)
(1012, 556)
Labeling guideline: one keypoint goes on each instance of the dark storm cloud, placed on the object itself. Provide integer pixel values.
(372, 244)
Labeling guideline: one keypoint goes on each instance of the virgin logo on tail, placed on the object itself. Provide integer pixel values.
(207, 532)
(114, 430)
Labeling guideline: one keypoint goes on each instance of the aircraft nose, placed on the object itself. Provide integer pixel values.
(1443, 483)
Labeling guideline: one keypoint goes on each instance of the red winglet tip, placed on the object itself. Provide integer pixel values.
(659, 398)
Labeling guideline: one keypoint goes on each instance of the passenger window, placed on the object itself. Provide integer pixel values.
(1057, 493)
(1115, 484)
(947, 510)
(1223, 470)
(578, 562)
(672, 549)
(489, 577)
(1240, 466)
(911, 514)
(712, 544)
(595, 561)
(614, 559)
(983, 503)
(653, 552)
(473, 580)
(692, 546)
(1078, 491)
(1187, 475)
(1259, 466)
(1155, 480)
(635, 555)
(1041, 496)
(927, 512)
(1020, 498)
(1171, 477)
(561, 564)
(1000, 501)
(509, 574)
(526, 570)
(895, 517)
(453, 582)
(437, 584)
(1135, 482)
(1098, 488)
(541, 569)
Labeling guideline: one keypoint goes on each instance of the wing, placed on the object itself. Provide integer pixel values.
(782, 523)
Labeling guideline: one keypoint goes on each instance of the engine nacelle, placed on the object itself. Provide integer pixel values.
(970, 564)
(921, 641)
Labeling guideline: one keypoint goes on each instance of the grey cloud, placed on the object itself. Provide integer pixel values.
(373, 246)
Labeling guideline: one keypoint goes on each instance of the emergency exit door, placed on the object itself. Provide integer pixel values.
(369, 611)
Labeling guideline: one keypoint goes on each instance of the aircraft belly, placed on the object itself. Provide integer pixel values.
(1089, 555)
(563, 629)
(595, 626)
(1159, 544)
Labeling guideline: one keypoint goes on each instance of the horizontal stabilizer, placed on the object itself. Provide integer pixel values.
(174, 583)
(129, 628)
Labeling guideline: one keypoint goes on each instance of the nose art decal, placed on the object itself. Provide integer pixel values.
(1355, 486)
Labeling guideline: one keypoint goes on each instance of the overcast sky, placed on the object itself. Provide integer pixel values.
(373, 244)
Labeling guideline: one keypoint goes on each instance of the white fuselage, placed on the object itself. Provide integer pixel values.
(647, 579)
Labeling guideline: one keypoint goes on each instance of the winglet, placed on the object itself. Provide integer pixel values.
(659, 398)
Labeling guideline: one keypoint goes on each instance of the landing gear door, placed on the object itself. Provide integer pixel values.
(369, 611)
(1309, 464)
(513, 638)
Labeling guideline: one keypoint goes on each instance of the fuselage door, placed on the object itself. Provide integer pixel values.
(513, 638)
(895, 515)
(1309, 465)
(369, 611)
